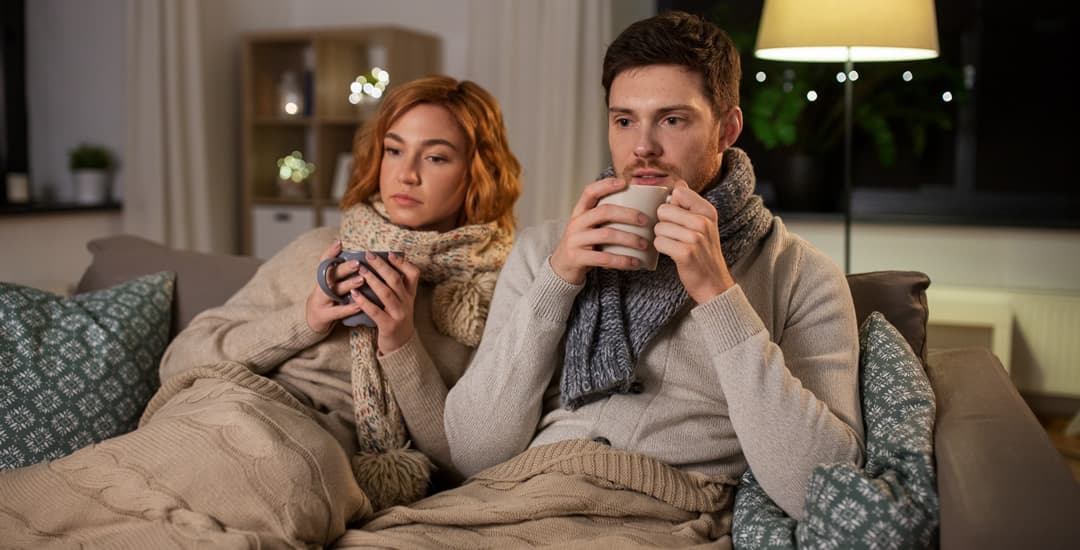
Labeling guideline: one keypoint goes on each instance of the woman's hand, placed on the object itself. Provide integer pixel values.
(322, 311)
(397, 292)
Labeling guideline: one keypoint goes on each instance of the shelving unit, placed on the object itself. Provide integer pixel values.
(326, 62)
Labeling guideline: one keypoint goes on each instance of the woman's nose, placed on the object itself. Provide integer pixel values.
(409, 174)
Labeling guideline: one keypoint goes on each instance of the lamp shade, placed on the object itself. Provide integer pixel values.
(843, 30)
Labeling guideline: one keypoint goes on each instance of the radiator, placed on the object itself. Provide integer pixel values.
(1046, 343)
(1035, 334)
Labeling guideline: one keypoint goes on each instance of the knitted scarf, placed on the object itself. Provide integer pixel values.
(618, 312)
(463, 265)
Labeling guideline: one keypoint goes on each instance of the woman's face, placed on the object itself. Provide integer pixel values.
(422, 179)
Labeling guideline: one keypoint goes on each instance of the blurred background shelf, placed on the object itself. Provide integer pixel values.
(296, 98)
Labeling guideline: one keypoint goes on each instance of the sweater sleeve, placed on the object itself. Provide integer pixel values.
(795, 405)
(421, 394)
(493, 411)
(264, 323)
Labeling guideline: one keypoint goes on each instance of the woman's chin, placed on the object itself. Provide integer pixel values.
(409, 222)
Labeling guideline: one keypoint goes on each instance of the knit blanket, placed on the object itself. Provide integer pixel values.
(223, 458)
(570, 494)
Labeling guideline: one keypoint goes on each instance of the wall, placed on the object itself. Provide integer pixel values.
(1031, 277)
(41, 250)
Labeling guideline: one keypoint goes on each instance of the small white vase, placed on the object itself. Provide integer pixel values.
(91, 186)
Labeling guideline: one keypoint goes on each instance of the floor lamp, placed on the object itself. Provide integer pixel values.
(847, 31)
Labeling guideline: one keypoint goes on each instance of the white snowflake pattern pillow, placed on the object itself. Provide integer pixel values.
(890, 503)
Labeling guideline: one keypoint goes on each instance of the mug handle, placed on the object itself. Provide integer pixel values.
(323, 267)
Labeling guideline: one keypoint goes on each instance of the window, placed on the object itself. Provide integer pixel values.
(14, 157)
(981, 135)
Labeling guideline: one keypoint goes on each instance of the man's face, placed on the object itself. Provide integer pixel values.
(661, 126)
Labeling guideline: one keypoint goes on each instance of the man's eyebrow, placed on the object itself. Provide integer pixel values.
(427, 142)
(666, 109)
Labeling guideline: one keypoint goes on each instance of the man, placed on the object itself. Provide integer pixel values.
(740, 349)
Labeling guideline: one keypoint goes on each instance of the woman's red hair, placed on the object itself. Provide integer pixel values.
(493, 178)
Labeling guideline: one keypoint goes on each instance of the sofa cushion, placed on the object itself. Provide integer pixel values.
(202, 280)
(892, 502)
(900, 296)
(77, 370)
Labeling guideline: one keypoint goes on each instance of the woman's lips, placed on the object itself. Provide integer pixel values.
(405, 200)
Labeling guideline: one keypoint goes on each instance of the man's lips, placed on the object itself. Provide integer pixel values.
(648, 177)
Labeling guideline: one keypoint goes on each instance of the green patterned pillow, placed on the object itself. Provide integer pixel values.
(890, 503)
(74, 371)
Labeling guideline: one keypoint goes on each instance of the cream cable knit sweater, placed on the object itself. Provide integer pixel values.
(766, 373)
(264, 326)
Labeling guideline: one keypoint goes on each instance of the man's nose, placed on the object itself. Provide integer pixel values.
(647, 146)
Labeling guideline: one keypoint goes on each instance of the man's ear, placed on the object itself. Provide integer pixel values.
(731, 128)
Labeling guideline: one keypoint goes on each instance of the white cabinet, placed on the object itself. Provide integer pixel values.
(331, 216)
(276, 226)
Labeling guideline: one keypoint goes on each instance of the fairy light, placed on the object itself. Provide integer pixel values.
(369, 87)
(293, 167)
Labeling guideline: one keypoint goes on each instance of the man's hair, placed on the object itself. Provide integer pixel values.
(493, 176)
(679, 38)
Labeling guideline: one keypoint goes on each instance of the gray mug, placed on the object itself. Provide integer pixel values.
(360, 319)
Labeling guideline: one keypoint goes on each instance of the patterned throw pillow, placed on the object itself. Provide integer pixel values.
(74, 371)
(890, 503)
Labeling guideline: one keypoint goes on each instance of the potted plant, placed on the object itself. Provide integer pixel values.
(90, 165)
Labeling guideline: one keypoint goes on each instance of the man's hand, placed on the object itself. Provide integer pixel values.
(688, 232)
(577, 251)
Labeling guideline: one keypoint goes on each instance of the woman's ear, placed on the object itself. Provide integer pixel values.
(731, 128)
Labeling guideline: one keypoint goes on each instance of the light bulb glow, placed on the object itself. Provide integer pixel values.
(760, 76)
(368, 89)
(293, 167)
(291, 108)
(811, 95)
(907, 76)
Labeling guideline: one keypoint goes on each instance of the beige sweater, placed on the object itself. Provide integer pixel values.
(764, 374)
(264, 325)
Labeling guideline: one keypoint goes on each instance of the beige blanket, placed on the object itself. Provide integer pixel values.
(223, 458)
(572, 494)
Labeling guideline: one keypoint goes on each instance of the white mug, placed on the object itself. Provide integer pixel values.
(645, 199)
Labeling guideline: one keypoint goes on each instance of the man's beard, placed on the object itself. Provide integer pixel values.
(698, 176)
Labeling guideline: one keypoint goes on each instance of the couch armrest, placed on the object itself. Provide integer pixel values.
(1001, 482)
(202, 280)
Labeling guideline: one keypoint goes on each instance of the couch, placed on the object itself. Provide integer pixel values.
(1001, 482)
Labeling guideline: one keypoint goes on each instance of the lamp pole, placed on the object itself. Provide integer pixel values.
(848, 106)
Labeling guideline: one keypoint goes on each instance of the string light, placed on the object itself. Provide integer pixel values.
(369, 87)
(293, 167)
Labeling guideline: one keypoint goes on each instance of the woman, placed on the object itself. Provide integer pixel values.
(434, 177)
(220, 447)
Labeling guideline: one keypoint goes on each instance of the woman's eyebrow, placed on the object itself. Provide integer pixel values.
(426, 142)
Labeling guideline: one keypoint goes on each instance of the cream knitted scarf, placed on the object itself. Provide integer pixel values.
(463, 265)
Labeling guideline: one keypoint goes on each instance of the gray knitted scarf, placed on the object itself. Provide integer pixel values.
(618, 312)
